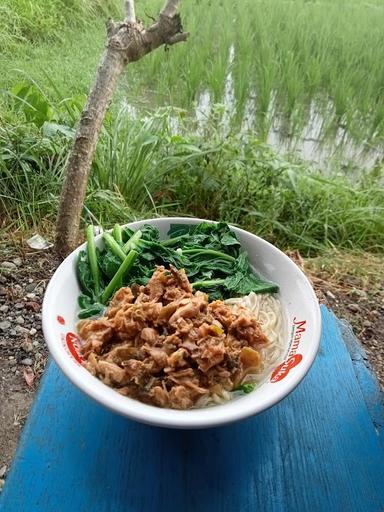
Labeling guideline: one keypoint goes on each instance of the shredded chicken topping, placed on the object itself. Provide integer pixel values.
(167, 346)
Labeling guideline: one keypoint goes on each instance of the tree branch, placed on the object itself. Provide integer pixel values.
(170, 8)
(127, 42)
(178, 38)
(130, 11)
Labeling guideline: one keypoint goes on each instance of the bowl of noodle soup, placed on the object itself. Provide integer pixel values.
(290, 320)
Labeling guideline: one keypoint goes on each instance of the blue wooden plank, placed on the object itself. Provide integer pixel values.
(317, 450)
(370, 388)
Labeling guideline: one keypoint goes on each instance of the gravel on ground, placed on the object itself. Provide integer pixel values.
(23, 352)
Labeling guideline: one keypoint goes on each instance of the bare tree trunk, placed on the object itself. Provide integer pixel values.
(127, 42)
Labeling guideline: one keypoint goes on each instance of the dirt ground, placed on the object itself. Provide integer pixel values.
(24, 274)
(351, 285)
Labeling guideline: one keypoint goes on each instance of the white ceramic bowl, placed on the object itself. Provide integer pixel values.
(303, 325)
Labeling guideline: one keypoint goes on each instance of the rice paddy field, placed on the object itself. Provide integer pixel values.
(285, 59)
(272, 113)
(298, 68)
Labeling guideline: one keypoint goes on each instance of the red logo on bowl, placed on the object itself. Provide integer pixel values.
(60, 319)
(293, 359)
(283, 369)
(73, 344)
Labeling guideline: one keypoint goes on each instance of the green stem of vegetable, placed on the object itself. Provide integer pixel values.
(116, 279)
(118, 236)
(209, 252)
(173, 241)
(114, 246)
(117, 233)
(91, 252)
(209, 283)
(131, 243)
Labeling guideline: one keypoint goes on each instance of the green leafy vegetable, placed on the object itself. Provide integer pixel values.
(176, 230)
(235, 279)
(126, 233)
(124, 267)
(89, 278)
(117, 233)
(174, 241)
(84, 275)
(244, 281)
(96, 309)
(206, 253)
(209, 252)
(229, 239)
(246, 388)
(84, 301)
(109, 263)
(91, 252)
(149, 232)
(132, 241)
(114, 246)
(205, 235)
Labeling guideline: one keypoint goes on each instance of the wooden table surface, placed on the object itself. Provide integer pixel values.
(320, 449)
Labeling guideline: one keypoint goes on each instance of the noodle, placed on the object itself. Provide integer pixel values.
(268, 310)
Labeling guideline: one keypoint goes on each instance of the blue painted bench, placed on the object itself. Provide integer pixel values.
(321, 449)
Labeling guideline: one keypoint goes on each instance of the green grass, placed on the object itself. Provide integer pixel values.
(31, 173)
(29, 22)
(325, 53)
(142, 169)
(71, 64)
